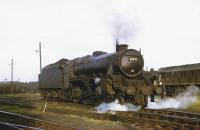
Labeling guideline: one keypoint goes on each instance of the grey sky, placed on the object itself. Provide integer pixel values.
(167, 31)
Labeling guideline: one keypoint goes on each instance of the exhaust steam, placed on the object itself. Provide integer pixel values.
(116, 106)
(182, 101)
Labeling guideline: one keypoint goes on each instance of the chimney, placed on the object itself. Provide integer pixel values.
(121, 47)
(117, 45)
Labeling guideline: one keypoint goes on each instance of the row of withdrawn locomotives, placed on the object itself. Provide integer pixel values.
(100, 77)
(176, 79)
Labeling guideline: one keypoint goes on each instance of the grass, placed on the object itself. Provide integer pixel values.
(73, 120)
(20, 95)
(196, 106)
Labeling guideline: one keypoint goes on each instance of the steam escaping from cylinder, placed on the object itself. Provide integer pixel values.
(182, 101)
(97, 80)
(116, 106)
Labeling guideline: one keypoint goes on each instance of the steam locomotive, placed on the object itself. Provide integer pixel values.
(100, 77)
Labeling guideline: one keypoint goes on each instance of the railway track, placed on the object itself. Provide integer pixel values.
(22, 122)
(17, 102)
(148, 119)
(174, 113)
(174, 121)
(159, 119)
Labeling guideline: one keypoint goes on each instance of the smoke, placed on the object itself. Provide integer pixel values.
(115, 106)
(182, 101)
(122, 27)
(121, 19)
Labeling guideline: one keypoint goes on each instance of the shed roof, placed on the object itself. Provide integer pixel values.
(180, 68)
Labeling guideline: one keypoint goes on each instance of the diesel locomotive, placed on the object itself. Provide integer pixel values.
(100, 77)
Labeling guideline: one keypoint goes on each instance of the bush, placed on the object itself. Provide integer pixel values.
(18, 87)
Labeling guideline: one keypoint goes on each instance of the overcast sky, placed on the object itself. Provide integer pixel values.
(167, 31)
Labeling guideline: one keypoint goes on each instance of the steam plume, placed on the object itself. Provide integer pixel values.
(122, 28)
(121, 20)
(115, 106)
(190, 96)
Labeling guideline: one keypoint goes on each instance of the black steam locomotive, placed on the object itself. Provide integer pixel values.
(98, 77)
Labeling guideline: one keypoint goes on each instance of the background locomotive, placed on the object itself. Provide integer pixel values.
(98, 77)
(176, 79)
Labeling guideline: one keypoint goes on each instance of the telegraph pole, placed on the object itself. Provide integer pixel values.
(12, 71)
(40, 51)
(40, 55)
(11, 78)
